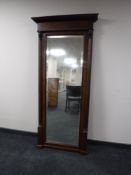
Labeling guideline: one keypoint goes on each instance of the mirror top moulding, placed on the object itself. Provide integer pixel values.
(74, 22)
(93, 17)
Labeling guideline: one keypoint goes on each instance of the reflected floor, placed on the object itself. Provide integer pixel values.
(63, 126)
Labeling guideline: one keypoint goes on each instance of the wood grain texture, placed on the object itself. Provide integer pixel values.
(53, 92)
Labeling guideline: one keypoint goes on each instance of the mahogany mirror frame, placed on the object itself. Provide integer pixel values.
(81, 24)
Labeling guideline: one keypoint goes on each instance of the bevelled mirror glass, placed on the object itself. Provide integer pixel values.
(64, 61)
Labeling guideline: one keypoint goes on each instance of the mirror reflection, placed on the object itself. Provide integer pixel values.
(64, 57)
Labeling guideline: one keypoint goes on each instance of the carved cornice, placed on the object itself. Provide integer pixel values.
(86, 17)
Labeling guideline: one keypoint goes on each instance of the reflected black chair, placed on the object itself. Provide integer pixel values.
(73, 94)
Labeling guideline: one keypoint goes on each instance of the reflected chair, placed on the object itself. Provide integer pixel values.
(73, 94)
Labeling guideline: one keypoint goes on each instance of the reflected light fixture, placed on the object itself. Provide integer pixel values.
(57, 52)
(74, 66)
(58, 36)
(81, 61)
(70, 61)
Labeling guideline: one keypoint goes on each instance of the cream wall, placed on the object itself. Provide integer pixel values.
(110, 109)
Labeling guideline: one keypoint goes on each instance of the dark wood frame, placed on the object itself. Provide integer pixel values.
(65, 25)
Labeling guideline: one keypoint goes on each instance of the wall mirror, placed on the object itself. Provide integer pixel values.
(65, 49)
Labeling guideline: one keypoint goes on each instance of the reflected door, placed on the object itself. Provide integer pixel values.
(64, 61)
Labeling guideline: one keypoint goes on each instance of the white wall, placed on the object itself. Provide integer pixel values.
(110, 109)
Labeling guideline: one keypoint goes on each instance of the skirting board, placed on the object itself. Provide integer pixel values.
(111, 144)
(19, 132)
(89, 141)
